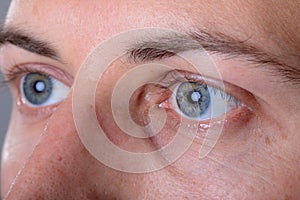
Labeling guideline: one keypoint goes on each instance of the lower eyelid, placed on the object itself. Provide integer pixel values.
(35, 114)
(236, 121)
(231, 123)
(242, 111)
(230, 128)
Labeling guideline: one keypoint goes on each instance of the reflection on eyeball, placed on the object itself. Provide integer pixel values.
(198, 101)
(40, 90)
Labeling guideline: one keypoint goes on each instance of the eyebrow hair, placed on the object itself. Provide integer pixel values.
(27, 42)
(215, 43)
(167, 46)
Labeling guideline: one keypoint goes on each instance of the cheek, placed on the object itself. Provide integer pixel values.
(254, 161)
(19, 144)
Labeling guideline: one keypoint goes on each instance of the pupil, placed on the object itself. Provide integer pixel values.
(39, 86)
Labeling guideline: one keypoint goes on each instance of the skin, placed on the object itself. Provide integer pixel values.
(257, 156)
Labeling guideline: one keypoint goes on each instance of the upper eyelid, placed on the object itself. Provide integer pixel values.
(175, 76)
(13, 57)
(18, 70)
(240, 94)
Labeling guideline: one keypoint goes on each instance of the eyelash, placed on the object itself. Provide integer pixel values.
(178, 76)
(17, 71)
(227, 91)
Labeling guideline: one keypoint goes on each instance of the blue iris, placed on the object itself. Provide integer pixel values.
(193, 99)
(37, 88)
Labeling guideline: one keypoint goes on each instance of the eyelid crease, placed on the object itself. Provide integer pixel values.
(18, 70)
(177, 75)
(241, 95)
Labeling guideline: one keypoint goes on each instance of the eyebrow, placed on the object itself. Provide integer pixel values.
(168, 46)
(27, 42)
(215, 43)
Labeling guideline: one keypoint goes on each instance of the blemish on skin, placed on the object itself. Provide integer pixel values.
(252, 189)
(267, 140)
(283, 136)
(59, 158)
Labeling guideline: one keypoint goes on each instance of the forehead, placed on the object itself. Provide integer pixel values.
(271, 24)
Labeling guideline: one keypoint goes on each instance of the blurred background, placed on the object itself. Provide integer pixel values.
(5, 97)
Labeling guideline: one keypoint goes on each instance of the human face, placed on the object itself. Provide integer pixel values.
(257, 154)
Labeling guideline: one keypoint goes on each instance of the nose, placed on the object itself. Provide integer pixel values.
(60, 166)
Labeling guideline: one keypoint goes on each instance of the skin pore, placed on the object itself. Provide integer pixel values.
(257, 156)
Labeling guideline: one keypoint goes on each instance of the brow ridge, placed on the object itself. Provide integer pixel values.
(27, 42)
(214, 43)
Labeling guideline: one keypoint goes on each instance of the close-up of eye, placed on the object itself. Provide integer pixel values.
(199, 98)
(199, 101)
(40, 90)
